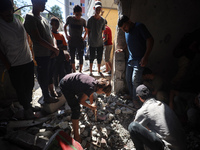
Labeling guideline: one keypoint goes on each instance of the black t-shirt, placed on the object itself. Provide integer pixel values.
(79, 83)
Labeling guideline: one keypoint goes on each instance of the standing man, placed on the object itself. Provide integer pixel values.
(38, 29)
(155, 125)
(96, 26)
(140, 43)
(107, 47)
(16, 56)
(75, 39)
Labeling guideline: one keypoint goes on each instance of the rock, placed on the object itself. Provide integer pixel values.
(110, 116)
(117, 111)
(63, 125)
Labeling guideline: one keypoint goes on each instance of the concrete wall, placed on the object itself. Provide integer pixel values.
(167, 21)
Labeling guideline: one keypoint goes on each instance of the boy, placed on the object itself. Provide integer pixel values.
(59, 71)
(77, 87)
(96, 26)
(16, 56)
(38, 29)
(75, 39)
(107, 47)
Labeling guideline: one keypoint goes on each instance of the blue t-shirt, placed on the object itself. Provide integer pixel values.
(136, 41)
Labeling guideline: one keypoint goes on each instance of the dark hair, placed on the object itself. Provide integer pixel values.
(77, 8)
(106, 21)
(105, 84)
(143, 91)
(122, 19)
(147, 71)
(54, 19)
(38, 1)
(6, 5)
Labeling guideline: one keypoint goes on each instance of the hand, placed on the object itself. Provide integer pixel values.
(143, 62)
(118, 50)
(93, 106)
(56, 51)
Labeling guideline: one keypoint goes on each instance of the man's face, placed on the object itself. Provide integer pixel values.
(78, 15)
(7, 15)
(98, 10)
(125, 27)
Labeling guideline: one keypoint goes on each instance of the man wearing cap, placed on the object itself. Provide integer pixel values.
(139, 43)
(39, 30)
(155, 125)
(96, 26)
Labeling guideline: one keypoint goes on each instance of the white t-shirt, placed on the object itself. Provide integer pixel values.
(160, 119)
(13, 42)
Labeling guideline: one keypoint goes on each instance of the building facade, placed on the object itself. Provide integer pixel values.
(69, 4)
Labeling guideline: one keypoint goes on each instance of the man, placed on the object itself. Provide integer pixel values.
(155, 125)
(140, 43)
(16, 56)
(38, 29)
(75, 39)
(107, 47)
(96, 26)
(77, 88)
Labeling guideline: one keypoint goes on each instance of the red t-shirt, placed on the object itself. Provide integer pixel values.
(108, 32)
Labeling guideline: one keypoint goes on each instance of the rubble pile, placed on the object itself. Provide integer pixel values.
(107, 130)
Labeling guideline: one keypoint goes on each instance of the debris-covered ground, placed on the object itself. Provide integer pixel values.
(107, 131)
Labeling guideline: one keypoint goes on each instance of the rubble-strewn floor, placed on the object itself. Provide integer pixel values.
(107, 131)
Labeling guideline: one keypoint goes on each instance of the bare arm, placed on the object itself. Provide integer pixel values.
(106, 38)
(41, 41)
(149, 43)
(85, 33)
(65, 29)
(83, 102)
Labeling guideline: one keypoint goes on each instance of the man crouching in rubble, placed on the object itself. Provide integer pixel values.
(156, 125)
(77, 87)
(16, 56)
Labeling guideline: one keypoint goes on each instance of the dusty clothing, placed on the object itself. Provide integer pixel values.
(73, 86)
(13, 42)
(33, 23)
(161, 120)
(96, 27)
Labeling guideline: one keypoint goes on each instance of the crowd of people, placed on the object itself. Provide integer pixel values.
(157, 123)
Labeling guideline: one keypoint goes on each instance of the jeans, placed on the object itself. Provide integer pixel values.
(22, 79)
(141, 136)
(133, 77)
(43, 64)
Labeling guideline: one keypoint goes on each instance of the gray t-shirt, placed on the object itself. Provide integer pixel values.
(75, 26)
(33, 23)
(160, 119)
(13, 42)
(96, 27)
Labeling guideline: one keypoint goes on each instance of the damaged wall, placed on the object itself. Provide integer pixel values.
(167, 21)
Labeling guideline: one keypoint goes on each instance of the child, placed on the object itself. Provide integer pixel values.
(16, 56)
(59, 71)
(77, 87)
(96, 26)
(75, 39)
(38, 29)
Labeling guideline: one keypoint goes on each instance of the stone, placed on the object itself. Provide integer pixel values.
(117, 111)
(110, 116)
